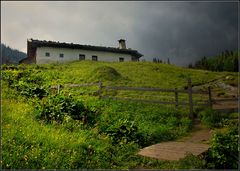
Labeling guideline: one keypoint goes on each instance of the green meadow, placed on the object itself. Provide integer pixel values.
(76, 130)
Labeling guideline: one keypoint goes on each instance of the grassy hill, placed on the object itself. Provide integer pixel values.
(131, 74)
(82, 131)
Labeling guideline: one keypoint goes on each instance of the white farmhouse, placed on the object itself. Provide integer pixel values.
(40, 52)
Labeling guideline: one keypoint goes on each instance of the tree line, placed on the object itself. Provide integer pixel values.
(157, 60)
(226, 61)
(10, 55)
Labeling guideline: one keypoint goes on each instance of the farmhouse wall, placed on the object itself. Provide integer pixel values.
(73, 54)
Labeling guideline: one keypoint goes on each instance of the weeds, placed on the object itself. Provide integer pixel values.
(58, 107)
(224, 151)
(84, 132)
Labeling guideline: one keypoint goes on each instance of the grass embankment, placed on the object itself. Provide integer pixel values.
(28, 143)
(140, 74)
(120, 129)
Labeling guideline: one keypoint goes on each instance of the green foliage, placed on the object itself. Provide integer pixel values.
(191, 161)
(30, 90)
(215, 119)
(225, 62)
(93, 133)
(185, 124)
(26, 82)
(41, 146)
(211, 118)
(139, 74)
(123, 132)
(57, 107)
(224, 151)
(152, 123)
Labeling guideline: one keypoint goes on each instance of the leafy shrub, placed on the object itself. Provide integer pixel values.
(223, 153)
(9, 67)
(30, 90)
(233, 115)
(191, 161)
(211, 118)
(30, 76)
(161, 133)
(124, 131)
(58, 107)
(186, 123)
(26, 82)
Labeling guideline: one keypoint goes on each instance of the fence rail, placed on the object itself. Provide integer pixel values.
(75, 85)
(190, 92)
(225, 100)
(143, 100)
(143, 89)
(152, 89)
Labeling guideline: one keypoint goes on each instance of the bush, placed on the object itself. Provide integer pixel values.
(123, 132)
(58, 107)
(211, 118)
(30, 90)
(223, 153)
(27, 83)
(191, 162)
(186, 124)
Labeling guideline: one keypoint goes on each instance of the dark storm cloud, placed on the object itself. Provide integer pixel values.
(188, 31)
(181, 31)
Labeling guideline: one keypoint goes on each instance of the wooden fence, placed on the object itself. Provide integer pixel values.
(176, 92)
(189, 91)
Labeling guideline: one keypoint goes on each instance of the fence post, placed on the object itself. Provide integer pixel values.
(8, 83)
(209, 96)
(176, 97)
(58, 89)
(100, 90)
(190, 99)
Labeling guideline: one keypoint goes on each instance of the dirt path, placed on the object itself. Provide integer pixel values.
(229, 92)
(222, 90)
(196, 144)
(198, 141)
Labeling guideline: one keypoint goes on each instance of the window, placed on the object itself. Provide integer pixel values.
(47, 54)
(121, 59)
(61, 55)
(94, 58)
(135, 59)
(81, 57)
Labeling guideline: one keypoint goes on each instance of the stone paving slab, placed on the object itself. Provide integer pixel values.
(196, 143)
(173, 150)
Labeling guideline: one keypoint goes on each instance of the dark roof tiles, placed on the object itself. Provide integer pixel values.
(44, 43)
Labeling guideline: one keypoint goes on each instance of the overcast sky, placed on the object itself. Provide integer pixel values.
(180, 31)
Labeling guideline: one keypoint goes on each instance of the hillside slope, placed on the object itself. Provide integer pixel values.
(45, 130)
(145, 74)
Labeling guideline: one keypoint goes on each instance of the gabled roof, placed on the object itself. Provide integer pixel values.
(43, 43)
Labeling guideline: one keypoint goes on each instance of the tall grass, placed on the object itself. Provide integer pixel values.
(135, 73)
(29, 143)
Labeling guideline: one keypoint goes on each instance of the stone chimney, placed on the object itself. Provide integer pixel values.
(122, 44)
